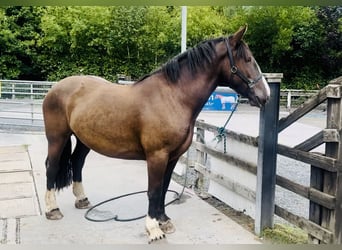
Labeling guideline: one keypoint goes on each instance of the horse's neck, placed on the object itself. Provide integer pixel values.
(196, 92)
(198, 88)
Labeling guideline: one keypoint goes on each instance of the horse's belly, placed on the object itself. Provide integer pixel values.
(113, 141)
(106, 130)
(116, 148)
(121, 153)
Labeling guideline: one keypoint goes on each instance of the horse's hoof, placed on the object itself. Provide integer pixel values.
(167, 227)
(54, 214)
(82, 204)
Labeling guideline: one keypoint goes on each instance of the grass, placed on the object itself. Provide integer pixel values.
(285, 234)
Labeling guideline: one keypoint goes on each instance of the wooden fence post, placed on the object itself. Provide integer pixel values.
(315, 210)
(267, 158)
(200, 158)
(332, 181)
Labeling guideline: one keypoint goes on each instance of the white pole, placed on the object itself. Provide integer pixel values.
(288, 106)
(183, 42)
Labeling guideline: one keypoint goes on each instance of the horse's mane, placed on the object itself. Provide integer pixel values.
(196, 59)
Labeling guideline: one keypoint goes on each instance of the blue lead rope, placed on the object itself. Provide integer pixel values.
(221, 134)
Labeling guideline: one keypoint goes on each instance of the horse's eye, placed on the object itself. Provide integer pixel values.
(248, 59)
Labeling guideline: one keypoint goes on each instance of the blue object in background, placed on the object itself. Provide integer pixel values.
(221, 100)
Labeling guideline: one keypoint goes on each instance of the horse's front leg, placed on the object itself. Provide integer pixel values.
(164, 221)
(156, 165)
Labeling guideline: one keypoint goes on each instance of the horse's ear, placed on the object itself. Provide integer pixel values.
(238, 35)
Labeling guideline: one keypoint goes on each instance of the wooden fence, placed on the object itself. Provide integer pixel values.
(325, 191)
(292, 98)
(324, 224)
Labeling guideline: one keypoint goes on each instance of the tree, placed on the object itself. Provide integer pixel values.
(49, 43)
(205, 23)
(126, 23)
(9, 64)
(287, 40)
(20, 32)
(74, 41)
(330, 17)
(160, 38)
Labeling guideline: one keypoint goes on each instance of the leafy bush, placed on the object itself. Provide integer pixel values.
(49, 43)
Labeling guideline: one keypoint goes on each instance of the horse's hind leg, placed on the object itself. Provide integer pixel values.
(77, 158)
(58, 151)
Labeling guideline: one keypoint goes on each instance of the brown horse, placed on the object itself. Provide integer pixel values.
(151, 120)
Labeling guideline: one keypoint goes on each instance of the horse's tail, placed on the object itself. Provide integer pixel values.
(64, 175)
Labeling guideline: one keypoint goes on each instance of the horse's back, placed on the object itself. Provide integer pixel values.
(63, 90)
(56, 104)
(97, 112)
(69, 85)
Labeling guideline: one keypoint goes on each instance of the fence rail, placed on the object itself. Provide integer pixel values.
(20, 104)
(24, 89)
(292, 98)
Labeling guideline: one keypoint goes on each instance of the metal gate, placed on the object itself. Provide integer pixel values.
(20, 104)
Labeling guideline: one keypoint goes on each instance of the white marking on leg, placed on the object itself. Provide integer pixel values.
(78, 191)
(50, 200)
(153, 230)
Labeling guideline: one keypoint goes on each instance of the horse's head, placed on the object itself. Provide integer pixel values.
(243, 73)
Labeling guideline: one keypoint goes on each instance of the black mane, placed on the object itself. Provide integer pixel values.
(196, 59)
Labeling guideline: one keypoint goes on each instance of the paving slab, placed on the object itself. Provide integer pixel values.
(18, 197)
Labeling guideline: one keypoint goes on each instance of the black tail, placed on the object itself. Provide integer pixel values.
(64, 175)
